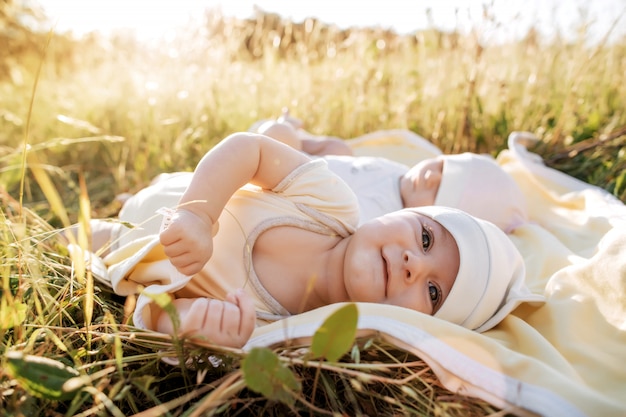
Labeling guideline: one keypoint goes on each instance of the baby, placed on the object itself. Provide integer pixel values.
(470, 182)
(259, 215)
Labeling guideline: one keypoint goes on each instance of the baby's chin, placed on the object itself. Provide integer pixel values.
(360, 291)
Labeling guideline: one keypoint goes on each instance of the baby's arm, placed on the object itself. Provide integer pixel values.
(239, 159)
(226, 323)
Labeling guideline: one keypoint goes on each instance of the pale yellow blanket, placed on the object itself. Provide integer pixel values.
(567, 357)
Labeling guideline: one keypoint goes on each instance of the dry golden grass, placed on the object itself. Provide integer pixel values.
(106, 116)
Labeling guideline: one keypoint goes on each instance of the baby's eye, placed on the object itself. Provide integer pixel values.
(426, 240)
(434, 293)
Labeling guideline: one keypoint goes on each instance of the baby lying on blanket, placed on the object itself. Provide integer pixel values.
(261, 216)
(470, 182)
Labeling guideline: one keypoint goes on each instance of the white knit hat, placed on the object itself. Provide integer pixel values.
(490, 282)
(478, 185)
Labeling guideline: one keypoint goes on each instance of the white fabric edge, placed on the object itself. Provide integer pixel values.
(516, 143)
(442, 358)
(612, 209)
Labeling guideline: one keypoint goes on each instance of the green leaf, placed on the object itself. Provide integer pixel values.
(620, 181)
(336, 335)
(44, 377)
(266, 375)
(12, 315)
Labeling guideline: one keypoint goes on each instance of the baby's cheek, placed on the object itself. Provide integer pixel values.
(429, 198)
(410, 299)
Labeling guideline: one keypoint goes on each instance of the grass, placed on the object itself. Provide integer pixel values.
(102, 118)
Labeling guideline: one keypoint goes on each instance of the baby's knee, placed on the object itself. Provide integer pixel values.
(282, 132)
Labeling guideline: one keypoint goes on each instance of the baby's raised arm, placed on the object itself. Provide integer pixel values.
(188, 240)
(239, 159)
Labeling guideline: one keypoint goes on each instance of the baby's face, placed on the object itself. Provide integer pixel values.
(419, 186)
(402, 258)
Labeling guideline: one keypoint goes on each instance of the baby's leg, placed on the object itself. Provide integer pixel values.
(282, 132)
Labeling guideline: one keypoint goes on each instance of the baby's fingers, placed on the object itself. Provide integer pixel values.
(175, 249)
(187, 265)
(171, 235)
(248, 313)
(221, 325)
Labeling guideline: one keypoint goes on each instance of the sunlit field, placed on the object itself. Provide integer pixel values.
(84, 121)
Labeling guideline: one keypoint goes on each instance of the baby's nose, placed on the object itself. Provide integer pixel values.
(413, 266)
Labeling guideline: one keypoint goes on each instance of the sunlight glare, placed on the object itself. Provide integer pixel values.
(147, 19)
(160, 19)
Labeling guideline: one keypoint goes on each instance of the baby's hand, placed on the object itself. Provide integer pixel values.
(225, 323)
(187, 241)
